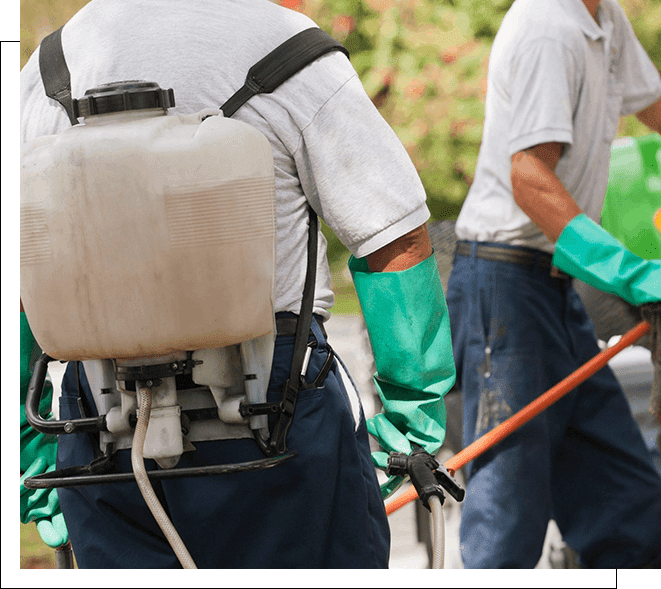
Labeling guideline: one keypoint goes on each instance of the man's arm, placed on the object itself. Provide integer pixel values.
(403, 304)
(651, 116)
(403, 253)
(539, 192)
(583, 248)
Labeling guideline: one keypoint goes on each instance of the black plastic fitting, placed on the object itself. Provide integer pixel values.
(428, 476)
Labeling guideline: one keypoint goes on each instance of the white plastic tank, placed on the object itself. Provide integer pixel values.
(144, 234)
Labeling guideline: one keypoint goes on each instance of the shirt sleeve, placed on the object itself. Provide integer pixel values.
(357, 175)
(544, 82)
(639, 76)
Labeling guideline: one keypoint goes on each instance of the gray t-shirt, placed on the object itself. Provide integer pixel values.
(330, 144)
(555, 75)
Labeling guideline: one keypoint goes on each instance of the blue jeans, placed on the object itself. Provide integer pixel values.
(321, 509)
(516, 333)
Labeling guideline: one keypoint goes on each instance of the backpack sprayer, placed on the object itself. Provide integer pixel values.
(180, 290)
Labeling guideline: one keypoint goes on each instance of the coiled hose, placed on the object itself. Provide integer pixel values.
(141, 477)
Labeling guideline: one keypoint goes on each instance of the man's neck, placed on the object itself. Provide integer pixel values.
(592, 6)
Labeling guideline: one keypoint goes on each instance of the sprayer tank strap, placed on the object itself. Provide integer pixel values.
(55, 73)
(264, 77)
(281, 64)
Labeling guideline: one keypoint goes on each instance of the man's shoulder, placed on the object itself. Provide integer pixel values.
(615, 11)
(529, 21)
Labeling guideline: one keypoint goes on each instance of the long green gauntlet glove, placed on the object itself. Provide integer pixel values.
(409, 329)
(588, 252)
(38, 453)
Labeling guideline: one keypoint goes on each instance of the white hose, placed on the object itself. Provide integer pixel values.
(438, 560)
(137, 461)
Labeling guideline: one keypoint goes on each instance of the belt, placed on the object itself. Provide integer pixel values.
(513, 256)
(287, 325)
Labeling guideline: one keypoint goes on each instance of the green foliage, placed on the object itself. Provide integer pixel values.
(645, 17)
(484, 16)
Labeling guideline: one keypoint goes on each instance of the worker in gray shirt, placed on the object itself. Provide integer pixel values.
(561, 74)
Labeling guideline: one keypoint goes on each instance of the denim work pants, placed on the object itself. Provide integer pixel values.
(516, 333)
(321, 509)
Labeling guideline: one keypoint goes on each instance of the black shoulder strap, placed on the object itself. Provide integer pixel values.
(55, 73)
(277, 443)
(281, 64)
(265, 76)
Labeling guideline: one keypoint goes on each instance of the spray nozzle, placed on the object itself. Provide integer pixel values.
(428, 476)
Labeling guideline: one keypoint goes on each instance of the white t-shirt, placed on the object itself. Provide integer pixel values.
(555, 75)
(329, 141)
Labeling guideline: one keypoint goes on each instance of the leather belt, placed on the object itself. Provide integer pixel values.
(287, 325)
(495, 253)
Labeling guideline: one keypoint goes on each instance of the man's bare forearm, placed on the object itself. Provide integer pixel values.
(403, 253)
(539, 192)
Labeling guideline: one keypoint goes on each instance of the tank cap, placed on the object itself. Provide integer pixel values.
(123, 96)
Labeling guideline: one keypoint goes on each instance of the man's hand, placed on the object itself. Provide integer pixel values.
(583, 248)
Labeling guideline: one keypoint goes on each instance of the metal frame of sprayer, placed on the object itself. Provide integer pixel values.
(178, 417)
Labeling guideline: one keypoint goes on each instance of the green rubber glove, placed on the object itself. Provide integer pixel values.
(409, 330)
(588, 252)
(38, 454)
(43, 507)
